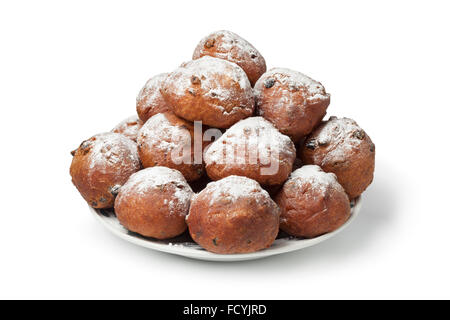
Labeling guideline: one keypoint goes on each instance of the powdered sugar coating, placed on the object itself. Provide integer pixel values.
(338, 135)
(317, 178)
(229, 46)
(214, 91)
(312, 203)
(150, 179)
(344, 148)
(233, 188)
(148, 91)
(294, 81)
(254, 133)
(101, 164)
(110, 148)
(159, 133)
(206, 69)
(149, 101)
(231, 41)
(129, 127)
(293, 102)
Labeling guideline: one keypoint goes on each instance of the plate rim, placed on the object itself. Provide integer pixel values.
(195, 253)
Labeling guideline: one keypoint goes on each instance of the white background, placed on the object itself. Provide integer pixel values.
(70, 69)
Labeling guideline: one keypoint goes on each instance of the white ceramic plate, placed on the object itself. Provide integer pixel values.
(184, 246)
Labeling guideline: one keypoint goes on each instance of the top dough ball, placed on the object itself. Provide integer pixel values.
(229, 46)
(293, 102)
(214, 91)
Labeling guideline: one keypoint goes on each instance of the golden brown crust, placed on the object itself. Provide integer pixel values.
(129, 127)
(312, 203)
(165, 134)
(149, 100)
(101, 165)
(233, 215)
(342, 147)
(154, 203)
(211, 90)
(293, 102)
(243, 151)
(229, 46)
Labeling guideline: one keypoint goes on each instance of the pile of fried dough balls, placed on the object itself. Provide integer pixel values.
(229, 205)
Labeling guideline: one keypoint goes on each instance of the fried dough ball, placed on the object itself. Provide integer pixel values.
(342, 147)
(149, 100)
(129, 127)
(253, 148)
(167, 140)
(293, 102)
(101, 165)
(214, 91)
(229, 46)
(154, 203)
(312, 203)
(233, 215)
